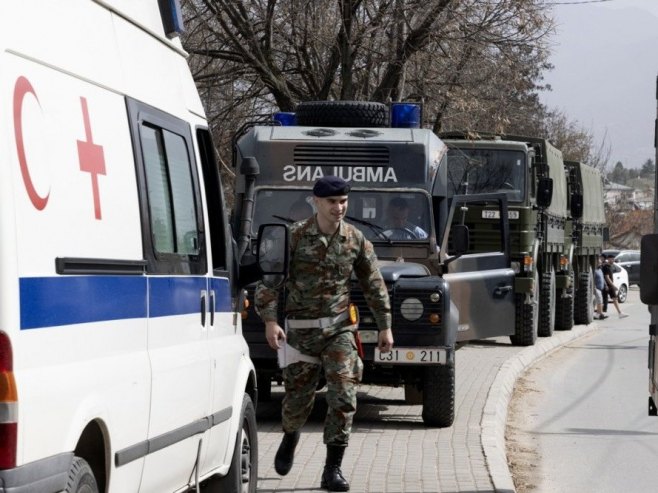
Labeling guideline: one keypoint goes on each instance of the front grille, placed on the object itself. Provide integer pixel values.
(367, 321)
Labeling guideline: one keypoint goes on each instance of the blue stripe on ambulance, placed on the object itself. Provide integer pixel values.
(66, 300)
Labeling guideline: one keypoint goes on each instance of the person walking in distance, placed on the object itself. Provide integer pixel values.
(599, 286)
(606, 268)
(321, 324)
(604, 291)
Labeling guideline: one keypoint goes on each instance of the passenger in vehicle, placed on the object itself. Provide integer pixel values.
(398, 226)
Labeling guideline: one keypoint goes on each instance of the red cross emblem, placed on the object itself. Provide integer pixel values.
(91, 157)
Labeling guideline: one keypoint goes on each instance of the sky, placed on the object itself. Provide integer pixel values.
(605, 55)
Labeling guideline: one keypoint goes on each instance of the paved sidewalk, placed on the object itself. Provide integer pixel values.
(390, 448)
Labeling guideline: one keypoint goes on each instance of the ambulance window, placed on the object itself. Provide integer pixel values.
(170, 191)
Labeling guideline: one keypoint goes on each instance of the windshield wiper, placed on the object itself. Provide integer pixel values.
(286, 219)
(376, 228)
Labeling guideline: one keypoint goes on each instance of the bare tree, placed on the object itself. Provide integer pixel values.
(476, 64)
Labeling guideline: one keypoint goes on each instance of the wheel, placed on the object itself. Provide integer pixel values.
(439, 396)
(583, 304)
(342, 114)
(547, 304)
(81, 478)
(242, 477)
(264, 380)
(526, 318)
(622, 293)
(564, 308)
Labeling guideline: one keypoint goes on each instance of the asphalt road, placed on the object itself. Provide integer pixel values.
(578, 419)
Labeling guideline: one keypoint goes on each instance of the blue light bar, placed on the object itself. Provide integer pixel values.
(172, 17)
(405, 115)
(285, 119)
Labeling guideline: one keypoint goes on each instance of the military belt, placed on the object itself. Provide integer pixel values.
(317, 323)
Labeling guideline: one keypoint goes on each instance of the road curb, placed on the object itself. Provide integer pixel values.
(494, 416)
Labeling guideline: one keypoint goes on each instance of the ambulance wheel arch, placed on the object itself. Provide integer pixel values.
(342, 114)
(243, 472)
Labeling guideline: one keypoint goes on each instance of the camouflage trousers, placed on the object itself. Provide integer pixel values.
(342, 369)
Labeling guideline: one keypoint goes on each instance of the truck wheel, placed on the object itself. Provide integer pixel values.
(81, 478)
(242, 477)
(583, 305)
(439, 396)
(526, 318)
(342, 114)
(564, 308)
(547, 304)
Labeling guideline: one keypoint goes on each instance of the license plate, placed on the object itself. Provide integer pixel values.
(495, 214)
(411, 356)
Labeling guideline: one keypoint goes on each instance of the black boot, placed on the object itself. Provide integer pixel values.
(286, 453)
(332, 477)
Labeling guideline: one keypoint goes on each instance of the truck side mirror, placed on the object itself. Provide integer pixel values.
(272, 254)
(606, 233)
(544, 192)
(577, 205)
(649, 269)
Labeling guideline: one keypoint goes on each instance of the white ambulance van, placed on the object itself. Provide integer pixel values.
(122, 362)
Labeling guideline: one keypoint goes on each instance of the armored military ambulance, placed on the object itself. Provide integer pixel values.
(122, 362)
(442, 294)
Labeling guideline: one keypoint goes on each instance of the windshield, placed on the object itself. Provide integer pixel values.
(381, 215)
(486, 171)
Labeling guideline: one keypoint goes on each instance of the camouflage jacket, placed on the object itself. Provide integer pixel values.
(321, 265)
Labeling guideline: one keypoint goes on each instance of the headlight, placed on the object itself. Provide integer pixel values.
(411, 309)
(516, 267)
(435, 297)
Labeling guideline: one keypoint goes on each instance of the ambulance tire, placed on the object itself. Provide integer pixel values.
(342, 114)
(526, 318)
(439, 396)
(81, 478)
(547, 304)
(243, 474)
(584, 304)
(564, 308)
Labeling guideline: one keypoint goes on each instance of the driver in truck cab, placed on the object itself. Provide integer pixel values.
(321, 324)
(398, 226)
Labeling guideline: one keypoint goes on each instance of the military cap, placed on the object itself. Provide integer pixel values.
(331, 186)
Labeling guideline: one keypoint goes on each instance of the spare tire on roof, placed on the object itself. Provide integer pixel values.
(342, 114)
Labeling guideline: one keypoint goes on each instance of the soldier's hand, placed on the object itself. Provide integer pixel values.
(385, 340)
(275, 335)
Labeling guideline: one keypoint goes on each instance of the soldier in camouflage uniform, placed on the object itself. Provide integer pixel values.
(320, 333)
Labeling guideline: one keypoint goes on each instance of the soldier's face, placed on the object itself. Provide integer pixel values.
(331, 209)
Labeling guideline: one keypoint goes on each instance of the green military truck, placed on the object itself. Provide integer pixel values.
(442, 294)
(587, 231)
(531, 173)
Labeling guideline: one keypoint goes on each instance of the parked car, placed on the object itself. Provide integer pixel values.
(630, 260)
(620, 278)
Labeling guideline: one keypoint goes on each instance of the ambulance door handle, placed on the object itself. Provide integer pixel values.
(212, 307)
(204, 296)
